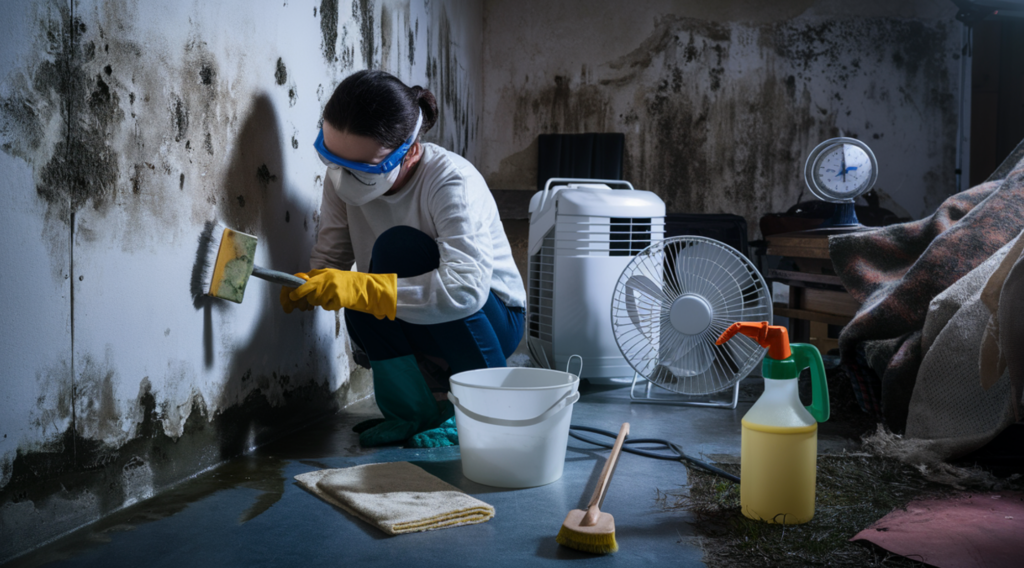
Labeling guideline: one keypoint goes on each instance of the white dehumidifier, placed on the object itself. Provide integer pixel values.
(582, 234)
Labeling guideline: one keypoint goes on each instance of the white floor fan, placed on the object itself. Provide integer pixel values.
(669, 306)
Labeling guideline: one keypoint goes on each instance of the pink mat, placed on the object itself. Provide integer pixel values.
(977, 529)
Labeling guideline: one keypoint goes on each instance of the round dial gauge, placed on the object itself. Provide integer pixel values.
(840, 169)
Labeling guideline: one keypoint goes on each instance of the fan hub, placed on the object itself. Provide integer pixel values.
(690, 314)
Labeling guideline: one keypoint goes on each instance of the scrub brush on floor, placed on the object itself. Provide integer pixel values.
(592, 530)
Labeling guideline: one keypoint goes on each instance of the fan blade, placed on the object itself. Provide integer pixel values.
(692, 267)
(645, 286)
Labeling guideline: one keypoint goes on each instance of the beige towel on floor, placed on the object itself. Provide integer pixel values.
(396, 497)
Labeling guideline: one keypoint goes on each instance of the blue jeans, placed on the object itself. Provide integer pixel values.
(482, 340)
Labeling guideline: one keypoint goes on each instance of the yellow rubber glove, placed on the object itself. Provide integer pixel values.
(333, 289)
(286, 301)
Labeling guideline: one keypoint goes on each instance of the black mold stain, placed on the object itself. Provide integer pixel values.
(329, 28)
(264, 176)
(181, 181)
(385, 36)
(710, 138)
(412, 47)
(80, 166)
(281, 72)
(206, 75)
(348, 53)
(295, 143)
(208, 143)
(363, 10)
(293, 96)
(108, 70)
(179, 119)
(450, 87)
(137, 176)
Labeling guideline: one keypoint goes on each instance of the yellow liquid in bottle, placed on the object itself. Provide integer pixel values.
(778, 470)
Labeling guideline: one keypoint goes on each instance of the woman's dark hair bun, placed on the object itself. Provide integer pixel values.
(378, 105)
(428, 104)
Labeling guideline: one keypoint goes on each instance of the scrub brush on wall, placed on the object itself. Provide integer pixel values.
(224, 262)
(592, 530)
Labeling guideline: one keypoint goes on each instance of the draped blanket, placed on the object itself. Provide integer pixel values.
(897, 271)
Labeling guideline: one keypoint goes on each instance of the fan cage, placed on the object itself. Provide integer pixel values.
(695, 266)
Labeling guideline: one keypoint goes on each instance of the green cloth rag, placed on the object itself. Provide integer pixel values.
(440, 437)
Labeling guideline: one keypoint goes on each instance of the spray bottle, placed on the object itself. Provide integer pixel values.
(779, 451)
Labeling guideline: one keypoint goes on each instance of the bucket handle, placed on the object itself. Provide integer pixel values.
(567, 399)
(569, 362)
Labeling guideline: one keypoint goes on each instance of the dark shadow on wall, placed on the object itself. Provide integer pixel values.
(278, 378)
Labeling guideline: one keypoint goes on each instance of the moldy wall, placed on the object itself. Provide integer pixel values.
(124, 126)
(721, 102)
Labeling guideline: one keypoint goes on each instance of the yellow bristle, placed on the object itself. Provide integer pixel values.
(587, 542)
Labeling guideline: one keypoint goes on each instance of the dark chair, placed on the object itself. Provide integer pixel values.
(590, 156)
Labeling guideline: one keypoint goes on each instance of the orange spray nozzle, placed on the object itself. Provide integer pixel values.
(774, 337)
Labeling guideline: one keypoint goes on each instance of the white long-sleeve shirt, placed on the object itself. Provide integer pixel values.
(447, 199)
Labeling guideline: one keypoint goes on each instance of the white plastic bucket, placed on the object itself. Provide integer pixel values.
(513, 424)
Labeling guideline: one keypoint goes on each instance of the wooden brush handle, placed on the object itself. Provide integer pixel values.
(594, 508)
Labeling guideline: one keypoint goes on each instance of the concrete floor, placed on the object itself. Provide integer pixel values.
(250, 512)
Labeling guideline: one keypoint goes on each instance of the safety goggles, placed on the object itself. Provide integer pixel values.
(389, 163)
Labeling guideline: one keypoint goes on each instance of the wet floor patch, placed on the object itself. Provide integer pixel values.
(261, 473)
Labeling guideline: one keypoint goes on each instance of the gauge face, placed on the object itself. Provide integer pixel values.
(840, 169)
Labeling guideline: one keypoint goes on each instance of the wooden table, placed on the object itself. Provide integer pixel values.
(817, 298)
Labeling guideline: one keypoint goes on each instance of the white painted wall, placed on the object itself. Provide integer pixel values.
(131, 327)
(722, 101)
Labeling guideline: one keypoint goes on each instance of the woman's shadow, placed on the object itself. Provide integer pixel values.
(283, 372)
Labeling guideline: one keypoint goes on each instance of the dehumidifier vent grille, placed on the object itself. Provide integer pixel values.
(629, 236)
(542, 288)
(607, 236)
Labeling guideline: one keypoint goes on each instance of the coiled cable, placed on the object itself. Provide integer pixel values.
(677, 455)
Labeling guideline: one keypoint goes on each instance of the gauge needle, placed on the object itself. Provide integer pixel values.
(844, 171)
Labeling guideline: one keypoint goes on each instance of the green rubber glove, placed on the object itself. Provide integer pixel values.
(404, 400)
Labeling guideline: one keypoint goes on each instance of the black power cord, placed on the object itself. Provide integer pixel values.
(677, 455)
